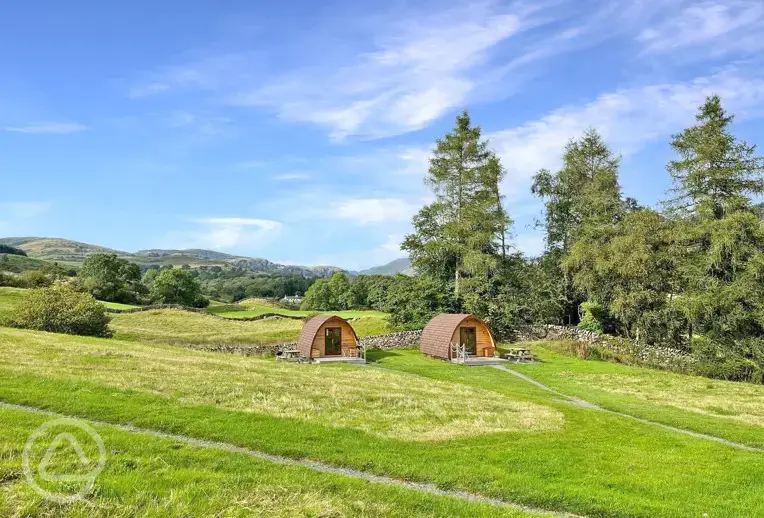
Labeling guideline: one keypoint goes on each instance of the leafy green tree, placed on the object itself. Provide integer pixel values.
(8, 249)
(177, 286)
(412, 302)
(318, 297)
(108, 277)
(456, 239)
(718, 233)
(61, 309)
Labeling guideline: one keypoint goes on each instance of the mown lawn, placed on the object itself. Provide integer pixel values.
(150, 476)
(565, 457)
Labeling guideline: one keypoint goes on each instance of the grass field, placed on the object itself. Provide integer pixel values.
(406, 416)
(149, 476)
(256, 307)
(9, 297)
(178, 327)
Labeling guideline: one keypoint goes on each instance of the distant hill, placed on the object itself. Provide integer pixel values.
(74, 253)
(402, 265)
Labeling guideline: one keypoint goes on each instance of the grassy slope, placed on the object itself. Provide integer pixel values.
(595, 463)
(19, 263)
(252, 309)
(185, 328)
(731, 410)
(148, 476)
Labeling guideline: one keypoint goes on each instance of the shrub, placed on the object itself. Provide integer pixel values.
(61, 309)
(592, 318)
(35, 279)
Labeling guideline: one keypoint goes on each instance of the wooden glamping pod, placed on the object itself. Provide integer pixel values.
(460, 338)
(329, 338)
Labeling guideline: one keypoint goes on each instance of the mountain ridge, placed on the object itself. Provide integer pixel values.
(73, 253)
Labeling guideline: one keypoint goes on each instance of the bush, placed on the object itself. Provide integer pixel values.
(61, 309)
(35, 279)
(593, 317)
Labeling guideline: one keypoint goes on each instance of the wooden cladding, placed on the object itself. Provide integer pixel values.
(445, 329)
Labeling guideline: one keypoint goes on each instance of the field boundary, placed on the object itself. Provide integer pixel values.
(201, 311)
(585, 404)
(305, 463)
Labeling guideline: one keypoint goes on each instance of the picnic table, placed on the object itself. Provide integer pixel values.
(290, 354)
(519, 354)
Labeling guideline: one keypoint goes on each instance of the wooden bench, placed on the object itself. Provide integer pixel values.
(290, 354)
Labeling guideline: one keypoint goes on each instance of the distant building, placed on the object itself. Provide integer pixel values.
(292, 300)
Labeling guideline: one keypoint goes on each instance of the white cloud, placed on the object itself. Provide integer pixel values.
(288, 177)
(374, 210)
(720, 25)
(417, 72)
(15, 214)
(627, 118)
(50, 128)
(224, 233)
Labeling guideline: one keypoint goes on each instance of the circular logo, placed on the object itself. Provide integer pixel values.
(80, 480)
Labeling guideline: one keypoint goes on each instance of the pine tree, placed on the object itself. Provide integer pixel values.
(456, 238)
(718, 235)
(582, 204)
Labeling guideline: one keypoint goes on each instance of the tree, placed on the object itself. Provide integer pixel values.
(108, 277)
(456, 238)
(177, 286)
(582, 204)
(8, 249)
(718, 235)
(318, 297)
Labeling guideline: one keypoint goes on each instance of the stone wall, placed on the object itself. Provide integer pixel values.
(203, 311)
(399, 340)
(655, 356)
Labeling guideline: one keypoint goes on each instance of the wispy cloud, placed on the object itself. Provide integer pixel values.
(15, 215)
(721, 26)
(374, 210)
(226, 233)
(288, 177)
(416, 72)
(50, 128)
(410, 71)
(627, 118)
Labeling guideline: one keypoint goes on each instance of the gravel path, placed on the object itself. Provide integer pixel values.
(585, 404)
(309, 464)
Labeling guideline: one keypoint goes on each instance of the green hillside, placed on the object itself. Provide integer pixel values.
(70, 252)
(18, 263)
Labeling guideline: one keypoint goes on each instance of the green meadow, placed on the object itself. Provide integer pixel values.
(405, 416)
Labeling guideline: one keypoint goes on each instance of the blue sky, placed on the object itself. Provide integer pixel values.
(299, 131)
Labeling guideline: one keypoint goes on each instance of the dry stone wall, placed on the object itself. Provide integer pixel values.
(656, 356)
